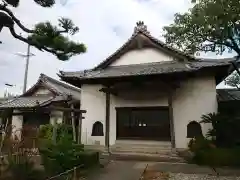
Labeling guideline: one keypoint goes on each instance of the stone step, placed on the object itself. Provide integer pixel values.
(150, 144)
(144, 157)
(140, 147)
(142, 150)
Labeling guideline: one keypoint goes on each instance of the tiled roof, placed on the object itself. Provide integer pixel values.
(26, 102)
(58, 87)
(141, 34)
(146, 69)
(224, 95)
(61, 92)
(141, 37)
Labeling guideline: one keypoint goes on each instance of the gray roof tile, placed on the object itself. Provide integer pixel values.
(224, 95)
(146, 69)
(26, 102)
(58, 87)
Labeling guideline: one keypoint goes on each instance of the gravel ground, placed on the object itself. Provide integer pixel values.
(180, 176)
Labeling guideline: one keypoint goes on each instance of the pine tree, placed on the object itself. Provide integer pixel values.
(44, 36)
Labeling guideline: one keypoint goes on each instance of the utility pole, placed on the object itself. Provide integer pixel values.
(27, 56)
(26, 70)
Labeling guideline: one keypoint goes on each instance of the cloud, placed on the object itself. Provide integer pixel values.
(104, 26)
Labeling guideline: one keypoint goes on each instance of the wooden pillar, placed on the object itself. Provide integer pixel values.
(107, 122)
(80, 127)
(172, 130)
(73, 123)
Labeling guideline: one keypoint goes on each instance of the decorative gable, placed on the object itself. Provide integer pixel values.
(142, 48)
(42, 91)
(141, 56)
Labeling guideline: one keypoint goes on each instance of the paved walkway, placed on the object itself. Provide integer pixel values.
(118, 170)
(129, 170)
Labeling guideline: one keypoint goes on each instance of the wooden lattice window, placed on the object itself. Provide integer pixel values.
(97, 129)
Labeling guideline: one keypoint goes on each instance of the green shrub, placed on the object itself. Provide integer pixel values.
(198, 144)
(64, 155)
(218, 157)
(206, 153)
(63, 131)
(225, 131)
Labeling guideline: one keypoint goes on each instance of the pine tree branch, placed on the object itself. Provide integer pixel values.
(16, 20)
(15, 35)
(41, 48)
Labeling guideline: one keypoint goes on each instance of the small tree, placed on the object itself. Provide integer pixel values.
(44, 36)
(210, 25)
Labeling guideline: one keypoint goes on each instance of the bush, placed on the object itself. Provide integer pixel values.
(206, 153)
(225, 131)
(218, 157)
(200, 143)
(63, 131)
(64, 155)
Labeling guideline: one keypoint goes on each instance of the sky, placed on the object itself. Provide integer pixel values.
(104, 26)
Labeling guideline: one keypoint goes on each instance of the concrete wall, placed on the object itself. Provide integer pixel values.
(194, 98)
(141, 56)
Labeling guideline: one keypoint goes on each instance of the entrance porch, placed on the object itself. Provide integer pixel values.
(154, 111)
(137, 118)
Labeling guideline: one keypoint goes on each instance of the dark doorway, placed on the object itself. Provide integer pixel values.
(147, 123)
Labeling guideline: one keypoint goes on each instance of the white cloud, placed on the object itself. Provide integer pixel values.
(104, 26)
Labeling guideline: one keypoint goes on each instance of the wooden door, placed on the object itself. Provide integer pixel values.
(150, 123)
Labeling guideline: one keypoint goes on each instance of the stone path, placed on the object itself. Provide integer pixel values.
(118, 170)
(181, 176)
(127, 170)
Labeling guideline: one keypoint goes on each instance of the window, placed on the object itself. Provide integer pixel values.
(194, 130)
(97, 129)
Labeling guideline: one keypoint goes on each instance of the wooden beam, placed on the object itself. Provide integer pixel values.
(73, 123)
(35, 111)
(47, 109)
(136, 86)
(66, 109)
(171, 118)
(80, 127)
(109, 90)
(107, 122)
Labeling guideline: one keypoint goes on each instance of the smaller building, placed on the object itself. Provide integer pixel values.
(46, 101)
(228, 100)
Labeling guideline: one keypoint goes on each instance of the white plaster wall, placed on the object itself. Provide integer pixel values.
(17, 124)
(196, 97)
(93, 101)
(141, 56)
(42, 91)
